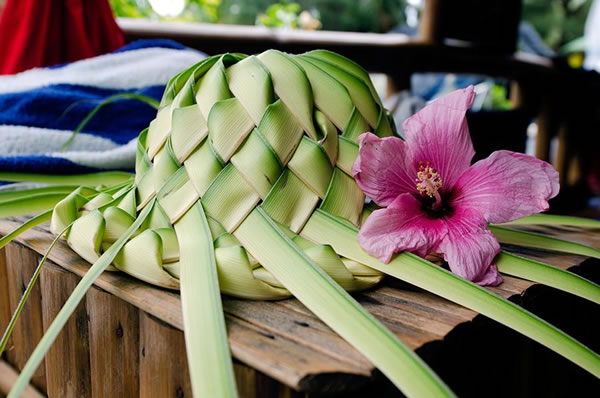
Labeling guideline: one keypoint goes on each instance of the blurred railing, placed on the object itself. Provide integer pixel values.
(544, 88)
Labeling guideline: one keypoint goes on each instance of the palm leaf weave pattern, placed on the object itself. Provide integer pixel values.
(236, 132)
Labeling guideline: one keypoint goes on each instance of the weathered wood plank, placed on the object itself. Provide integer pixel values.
(511, 286)
(410, 335)
(429, 326)
(299, 328)
(5, 308)
(253, 384)
(29, 329)
(396, 321)
(166, 306)
(163, 364)
(286, 360)
(421, 300)
(67, 361)
(114, 345)
(275, 341)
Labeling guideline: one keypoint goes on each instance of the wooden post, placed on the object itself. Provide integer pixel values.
(254, 384)
(114, 345)
(547, 128)
(163, 363)
(5, 308)
(21, 263)
(516, 94)
(563, 155)
(67, 361)
(430, 29)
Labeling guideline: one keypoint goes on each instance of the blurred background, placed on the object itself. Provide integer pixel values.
(550, 28)
(507, 113)
(557, 22)
(533, 63)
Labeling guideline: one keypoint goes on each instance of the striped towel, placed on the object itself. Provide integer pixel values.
(34, 125)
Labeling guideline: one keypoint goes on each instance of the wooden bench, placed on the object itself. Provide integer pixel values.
(125, 338)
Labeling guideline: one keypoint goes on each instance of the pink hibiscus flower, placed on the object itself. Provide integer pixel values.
(436, 201)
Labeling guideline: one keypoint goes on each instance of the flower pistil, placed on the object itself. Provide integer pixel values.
(429, 182)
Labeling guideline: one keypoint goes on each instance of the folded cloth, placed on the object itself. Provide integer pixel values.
(40, 33)
(40, 108)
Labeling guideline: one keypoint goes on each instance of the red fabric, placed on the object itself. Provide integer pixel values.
(49, 32)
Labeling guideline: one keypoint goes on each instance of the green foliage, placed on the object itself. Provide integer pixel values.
(242, 12)
(557, 21)
(194, 11)
(500, 98)
(280, 15)
(109, 100)
(344, 15)
(131, 8)
(358, 16)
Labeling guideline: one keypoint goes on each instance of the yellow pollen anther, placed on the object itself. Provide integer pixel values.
(428, 180)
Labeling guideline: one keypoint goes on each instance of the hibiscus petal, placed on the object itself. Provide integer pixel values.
(403, 226)
(439, 134)
(491, 278)
(380, 168)
(469, 248)
(507, 186)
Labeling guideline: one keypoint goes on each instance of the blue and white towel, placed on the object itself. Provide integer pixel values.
(34, 125)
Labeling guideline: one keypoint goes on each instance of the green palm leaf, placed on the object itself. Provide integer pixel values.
(315, 289)
(410, 268)
(61, 319)
(30, 204)
(106, 178)
(553, 219)
(539, 241)
(211, 369)
(26, 294)
(37, 220)
(548, 275)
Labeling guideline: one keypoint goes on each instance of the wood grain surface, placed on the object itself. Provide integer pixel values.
(125, 338)
(67, 361)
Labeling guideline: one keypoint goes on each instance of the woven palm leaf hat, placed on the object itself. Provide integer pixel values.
(243, 186)
(236, 132)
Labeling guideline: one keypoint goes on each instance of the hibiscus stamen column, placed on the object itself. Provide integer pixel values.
(429, 182)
